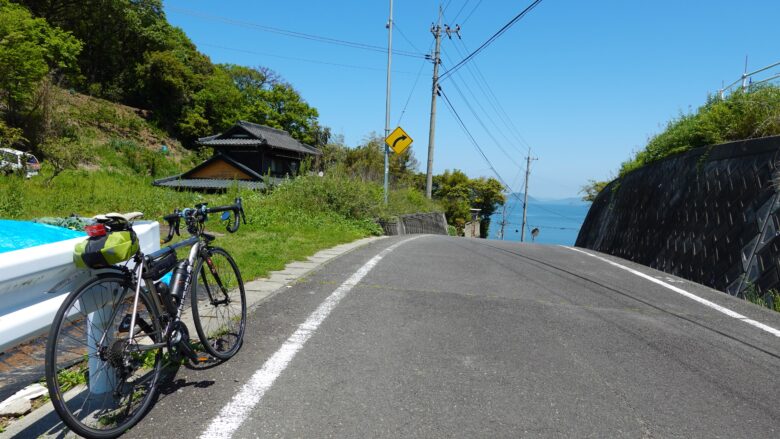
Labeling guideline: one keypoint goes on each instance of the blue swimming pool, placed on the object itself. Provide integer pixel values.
(16, 235)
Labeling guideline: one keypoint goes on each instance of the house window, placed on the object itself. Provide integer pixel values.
(277, 167)
(280, 167)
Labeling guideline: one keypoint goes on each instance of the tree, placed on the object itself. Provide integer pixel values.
(488, 194)
(29, 50)
(591, 190)
(453, 191)
(458, 194)
(214, 108)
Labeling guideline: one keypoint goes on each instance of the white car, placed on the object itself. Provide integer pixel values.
(12, 160)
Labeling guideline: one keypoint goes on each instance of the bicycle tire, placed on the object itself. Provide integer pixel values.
(219, 320)
(116, 395)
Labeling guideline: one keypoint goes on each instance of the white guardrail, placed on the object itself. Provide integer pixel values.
(35, 281)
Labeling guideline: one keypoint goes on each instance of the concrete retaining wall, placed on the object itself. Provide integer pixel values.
(709, 215)
(434, 223)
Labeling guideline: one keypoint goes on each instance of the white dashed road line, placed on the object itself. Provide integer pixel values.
(682, 292)
(236, 411)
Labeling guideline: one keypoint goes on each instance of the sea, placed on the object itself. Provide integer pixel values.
(558, 220)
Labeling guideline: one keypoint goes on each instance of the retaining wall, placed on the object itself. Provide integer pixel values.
(709, 215)
(434, 223)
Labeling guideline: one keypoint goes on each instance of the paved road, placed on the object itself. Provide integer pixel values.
(448, 337)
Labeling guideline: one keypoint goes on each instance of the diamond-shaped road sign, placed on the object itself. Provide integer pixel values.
(398, 140)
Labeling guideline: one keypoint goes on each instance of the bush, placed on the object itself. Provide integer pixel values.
(742, 115)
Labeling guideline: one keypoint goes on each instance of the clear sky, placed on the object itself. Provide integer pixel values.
(583, 83)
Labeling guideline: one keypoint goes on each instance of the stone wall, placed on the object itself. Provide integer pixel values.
(434, 223)
(709, 215)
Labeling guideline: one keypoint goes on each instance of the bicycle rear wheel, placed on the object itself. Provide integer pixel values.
(100, 381)
(219, 303)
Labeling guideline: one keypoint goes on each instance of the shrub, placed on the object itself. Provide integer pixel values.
(742, 115)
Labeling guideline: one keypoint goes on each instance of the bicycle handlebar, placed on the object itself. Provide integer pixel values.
(200, 214)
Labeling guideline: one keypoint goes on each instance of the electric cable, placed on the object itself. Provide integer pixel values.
(291, 33)
(455, 18)
(481, 123)
(491, 119)
(411, 92)
(490, 40)
(493, 99)
(253, 52)
(476, 144)
(472, 12)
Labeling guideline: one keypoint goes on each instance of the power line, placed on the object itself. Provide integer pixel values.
(543, 226)
(479, 120)
(495, 36)
(472, 12)
(294, 34)
(455, 18)
(411, 92)
(484, 111)
(395, 25)
(493, 100)
(476, 145)
(352, 66)
(471, 137)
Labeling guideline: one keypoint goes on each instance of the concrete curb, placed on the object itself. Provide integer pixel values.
(257, 292)
(260, 290)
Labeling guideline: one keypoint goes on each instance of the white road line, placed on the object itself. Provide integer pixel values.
(680, 291)
(235, 412)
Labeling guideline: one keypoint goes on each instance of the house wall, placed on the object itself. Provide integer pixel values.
(222, 170)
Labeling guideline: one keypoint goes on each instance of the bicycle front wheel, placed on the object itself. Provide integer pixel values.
(102, 381)
(218, 303)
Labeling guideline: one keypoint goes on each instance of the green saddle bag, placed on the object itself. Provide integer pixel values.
(104, 251)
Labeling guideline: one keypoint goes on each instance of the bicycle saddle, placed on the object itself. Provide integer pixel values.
(122, 217)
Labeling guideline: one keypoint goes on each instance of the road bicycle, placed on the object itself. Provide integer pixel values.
(111, 336)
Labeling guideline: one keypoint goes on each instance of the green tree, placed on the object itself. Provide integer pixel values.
(214, 108)
(591, 190)
(453, 191)
(29, 50)
(487, 195)
(458, 194)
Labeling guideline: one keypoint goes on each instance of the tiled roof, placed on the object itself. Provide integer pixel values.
(207, 183)
(260, 135)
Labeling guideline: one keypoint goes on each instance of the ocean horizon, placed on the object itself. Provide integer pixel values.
(558, 221)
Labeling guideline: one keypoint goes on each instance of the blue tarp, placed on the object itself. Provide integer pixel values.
(16, 235)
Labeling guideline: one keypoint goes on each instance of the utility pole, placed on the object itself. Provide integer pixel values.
(387, 98)
(436, 30)
(525, 196)
(503, 221)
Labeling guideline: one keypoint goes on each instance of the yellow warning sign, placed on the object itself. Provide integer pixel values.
(398, 140)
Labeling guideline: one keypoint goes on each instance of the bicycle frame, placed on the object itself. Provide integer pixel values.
(197, 244)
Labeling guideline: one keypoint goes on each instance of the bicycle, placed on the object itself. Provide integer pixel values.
(104, 354)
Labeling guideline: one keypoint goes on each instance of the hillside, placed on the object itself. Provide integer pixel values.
(744, 114)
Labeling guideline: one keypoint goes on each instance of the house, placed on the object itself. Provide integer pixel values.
(246, 154)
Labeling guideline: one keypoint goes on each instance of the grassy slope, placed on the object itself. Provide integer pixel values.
(294, 221)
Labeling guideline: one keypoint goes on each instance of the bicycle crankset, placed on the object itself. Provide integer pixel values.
(179, 344)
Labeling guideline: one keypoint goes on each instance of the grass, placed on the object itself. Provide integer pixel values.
(748, 114)
(769, 299)
(294, 221)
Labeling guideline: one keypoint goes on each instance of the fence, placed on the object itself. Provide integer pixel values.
(746, 80)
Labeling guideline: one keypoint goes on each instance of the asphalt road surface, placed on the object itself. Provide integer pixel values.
(444, 337)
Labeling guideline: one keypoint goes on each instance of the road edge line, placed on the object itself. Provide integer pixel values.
(705, 302)
(235, 412)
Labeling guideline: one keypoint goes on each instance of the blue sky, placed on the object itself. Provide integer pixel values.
(584, 83)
